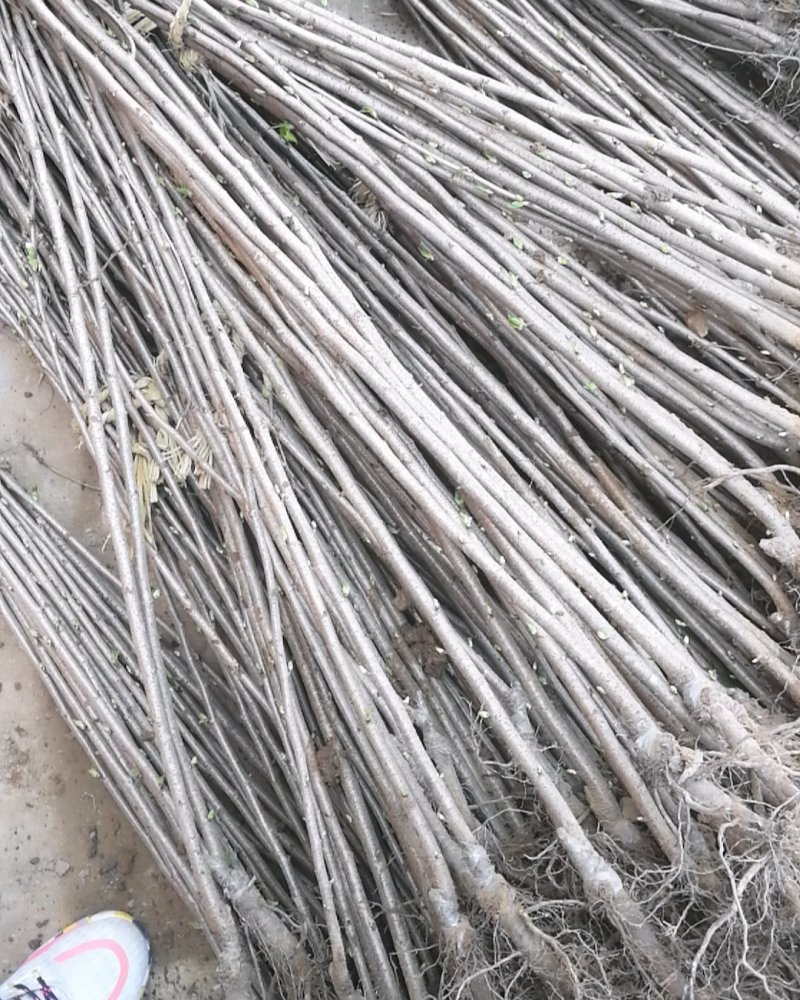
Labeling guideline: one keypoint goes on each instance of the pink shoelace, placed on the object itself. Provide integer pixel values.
(40, 992)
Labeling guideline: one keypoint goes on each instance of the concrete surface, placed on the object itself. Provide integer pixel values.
(65, 849)
(382, 15)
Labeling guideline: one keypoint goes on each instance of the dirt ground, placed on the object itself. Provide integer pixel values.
(66, 850)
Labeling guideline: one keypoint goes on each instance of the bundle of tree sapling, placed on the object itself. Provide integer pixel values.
(450, 488)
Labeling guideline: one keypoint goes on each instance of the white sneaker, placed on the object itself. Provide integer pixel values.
(103, 957)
